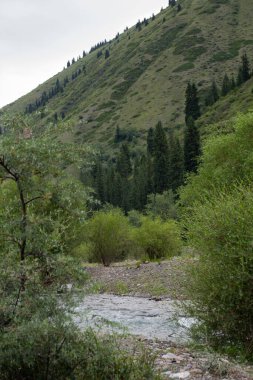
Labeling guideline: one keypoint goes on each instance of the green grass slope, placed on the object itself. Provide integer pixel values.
(145, 77)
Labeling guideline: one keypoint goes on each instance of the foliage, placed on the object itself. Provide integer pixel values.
(220, 283)
(191, 146)
(217, 214)
(192, 109)
(226, 160)
(50, 350)
(161, 159)
(162, 205)
(37, 206)
(108, 233)
(157, 239)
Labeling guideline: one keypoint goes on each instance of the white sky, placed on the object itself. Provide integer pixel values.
(38, 37)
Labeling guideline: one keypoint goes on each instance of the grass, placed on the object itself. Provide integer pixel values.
(141, 76)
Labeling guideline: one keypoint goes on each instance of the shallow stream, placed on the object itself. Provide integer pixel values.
(151, 319)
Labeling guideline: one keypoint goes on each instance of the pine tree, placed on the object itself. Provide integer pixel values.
(99, 182)
(214, 92)
(150, 175)
(232, 83)
(107, 54)
(139, 184)
(226, 85)
(151, 142)
(176, 167)
(244, 70)
(161, 159)
(124, 166)
(192, 109)
(191, 146)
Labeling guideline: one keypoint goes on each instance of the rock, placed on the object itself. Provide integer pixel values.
(173, 357)
(196, 371)
(180, 375)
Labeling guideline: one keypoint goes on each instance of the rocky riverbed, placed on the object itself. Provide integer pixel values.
(139, 299)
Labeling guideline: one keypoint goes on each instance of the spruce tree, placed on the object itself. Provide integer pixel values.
(213, 94)
(124, 166)
(176, 167)
(161, 159)
(232, 83)
(226, 85)
(191, 146)
(192, 109)
(244, 70)
(150, 142)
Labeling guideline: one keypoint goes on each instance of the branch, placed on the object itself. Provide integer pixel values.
(33, 199)
(4, 165)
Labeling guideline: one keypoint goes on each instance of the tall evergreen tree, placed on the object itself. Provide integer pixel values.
(192, 109)
(99, 181)
(244, 70)
(161, 159)
(176, 168)
(124, 165)
(191, 146)
(151, 142)
(213, 94)
(226, 85)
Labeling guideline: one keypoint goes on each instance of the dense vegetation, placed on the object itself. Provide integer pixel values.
(217, 209)
(42, 210)
(159, 184)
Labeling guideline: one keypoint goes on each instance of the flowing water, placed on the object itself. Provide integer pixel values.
(151, 319)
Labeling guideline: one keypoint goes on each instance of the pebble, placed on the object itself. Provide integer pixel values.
(171, 356)
(180, 375)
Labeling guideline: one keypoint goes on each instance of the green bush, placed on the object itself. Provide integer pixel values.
(43, 350)
(109, 236)
(162, 205)
(157, 239)
(220, 284)
(217, 215)
(227, 160)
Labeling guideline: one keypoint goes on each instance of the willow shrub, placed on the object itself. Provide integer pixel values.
(157, 239)
(108, 236)
(221, 282)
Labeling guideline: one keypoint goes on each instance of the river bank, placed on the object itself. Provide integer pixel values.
(158, 283)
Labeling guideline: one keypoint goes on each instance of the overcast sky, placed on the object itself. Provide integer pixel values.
(38, 37)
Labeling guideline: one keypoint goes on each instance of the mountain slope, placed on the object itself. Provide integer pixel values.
(145, 76)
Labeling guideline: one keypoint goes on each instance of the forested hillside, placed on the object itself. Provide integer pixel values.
(140, 77)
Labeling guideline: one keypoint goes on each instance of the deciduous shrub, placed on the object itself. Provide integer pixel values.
(220, 283)
(157, 239)
(109, 235)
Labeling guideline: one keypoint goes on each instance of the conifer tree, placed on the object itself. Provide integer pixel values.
(226, 85)
(176, 168)
(244, 70)
(150, 175)
(150, 142)
(161, 159)
(192, 109)
(107, 54)
(232, 82)
(191, 146)
(124, 166)
(99, 183)
(213, 94)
